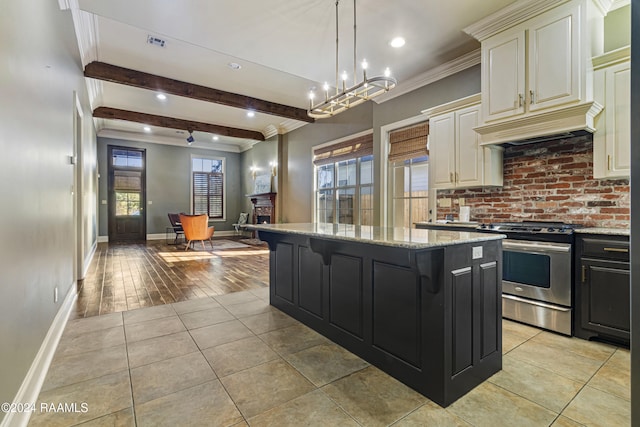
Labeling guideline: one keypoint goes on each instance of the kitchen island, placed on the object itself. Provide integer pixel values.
(422, 305)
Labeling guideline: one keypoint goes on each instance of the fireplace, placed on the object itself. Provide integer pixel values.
(264, 208)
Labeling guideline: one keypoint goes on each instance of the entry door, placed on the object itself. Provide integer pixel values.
(127, 218)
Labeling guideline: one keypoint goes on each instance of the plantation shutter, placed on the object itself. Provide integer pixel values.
(409, 143)
(351, 149)
(208, 194)
(215, 194)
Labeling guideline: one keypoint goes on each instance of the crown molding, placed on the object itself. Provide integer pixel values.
(617, 4)
(440, 72)
(509, 16)
(519, 12)
(166, 140)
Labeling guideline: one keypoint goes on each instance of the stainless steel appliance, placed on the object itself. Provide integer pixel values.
(537, 273)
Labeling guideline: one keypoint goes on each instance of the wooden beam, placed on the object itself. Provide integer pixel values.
(173, 123)
(125, 76)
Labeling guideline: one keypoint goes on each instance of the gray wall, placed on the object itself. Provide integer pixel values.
(617, 28)
(169, 183)
(40, 70)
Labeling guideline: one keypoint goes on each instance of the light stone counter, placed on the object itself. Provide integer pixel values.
(410, 238)
(606, 231)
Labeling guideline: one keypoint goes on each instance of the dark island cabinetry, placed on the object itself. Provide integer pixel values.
(429, 315)
(602, 288)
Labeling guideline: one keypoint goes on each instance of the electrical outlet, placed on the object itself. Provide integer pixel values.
(55, 294)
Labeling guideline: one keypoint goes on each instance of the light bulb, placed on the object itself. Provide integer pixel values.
(365, 64)
(311, 95)
(325, 86)
(387, 72)
(345, 76)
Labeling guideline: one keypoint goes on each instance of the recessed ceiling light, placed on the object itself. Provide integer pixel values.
(397, 42)
(161, 96)
(234, 65)
(251, 113)
(147, 129)
(215, 137)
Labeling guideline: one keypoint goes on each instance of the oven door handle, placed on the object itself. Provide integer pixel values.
(536, 303)
(547, 247)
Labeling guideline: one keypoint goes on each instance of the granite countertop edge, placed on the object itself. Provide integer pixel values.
(442, 238)
(602, 230)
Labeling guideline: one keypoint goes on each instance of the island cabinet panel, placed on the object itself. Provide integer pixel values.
(345, 293)
(283, 271)
(310, 280)
(430, 315)
(396, 312)
(462, 325)
(490, 326)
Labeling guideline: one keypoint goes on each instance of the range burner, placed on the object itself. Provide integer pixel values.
(531, 227)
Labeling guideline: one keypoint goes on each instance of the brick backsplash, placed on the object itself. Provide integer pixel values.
(548, 181)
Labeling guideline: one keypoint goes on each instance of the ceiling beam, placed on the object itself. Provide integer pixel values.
(125, 76)
(173, 123)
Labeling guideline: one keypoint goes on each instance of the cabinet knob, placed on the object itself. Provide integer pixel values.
(531, 96)
(520, 98)
(584, 273)
(609, 162)
(451, 177)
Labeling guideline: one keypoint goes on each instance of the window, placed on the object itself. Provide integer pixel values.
(410, 184)
(344, 182)
(409, 177)
(208, 186)
(127, 181)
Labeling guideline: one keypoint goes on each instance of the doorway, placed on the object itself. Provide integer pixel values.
(127, 194)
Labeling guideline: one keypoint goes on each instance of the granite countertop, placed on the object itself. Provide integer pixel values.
(411, 238)
(452, 224)
(608, 231)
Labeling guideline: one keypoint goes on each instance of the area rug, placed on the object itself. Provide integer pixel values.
(253, 242)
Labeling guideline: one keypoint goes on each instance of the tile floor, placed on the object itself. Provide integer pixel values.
(233, 360)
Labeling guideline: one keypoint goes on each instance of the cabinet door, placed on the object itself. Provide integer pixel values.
(468, 153)
(554, 59)
(442, 150)
(605, 297)
(503, 75)
(618, 123)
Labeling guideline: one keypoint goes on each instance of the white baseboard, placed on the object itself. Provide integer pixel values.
(32, 383)
(88, 259)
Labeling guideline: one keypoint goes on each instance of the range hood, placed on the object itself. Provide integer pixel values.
(569, 121)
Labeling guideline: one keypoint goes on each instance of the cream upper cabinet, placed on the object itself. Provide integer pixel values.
(547, 51)
(456, 158)
(537, 76)
(612, 139)
(503, 71)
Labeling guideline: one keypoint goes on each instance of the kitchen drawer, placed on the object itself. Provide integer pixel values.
(607, 248)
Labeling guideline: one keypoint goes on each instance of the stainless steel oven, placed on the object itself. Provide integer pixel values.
(537, 273)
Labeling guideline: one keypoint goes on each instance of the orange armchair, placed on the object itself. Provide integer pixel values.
(196, 228)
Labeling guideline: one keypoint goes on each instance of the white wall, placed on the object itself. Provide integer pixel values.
(40, 71)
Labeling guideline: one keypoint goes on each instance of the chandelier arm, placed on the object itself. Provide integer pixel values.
(355, 80)
(337, 69)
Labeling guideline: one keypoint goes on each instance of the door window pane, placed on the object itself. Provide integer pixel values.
(127, 203)
(325, 176)
(366, 205)
(126, 158)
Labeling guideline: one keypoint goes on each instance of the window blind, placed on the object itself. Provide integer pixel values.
(345, 150)
(409, 142)
(208, 194)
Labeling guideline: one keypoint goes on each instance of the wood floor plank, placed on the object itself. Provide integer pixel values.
(124, 277)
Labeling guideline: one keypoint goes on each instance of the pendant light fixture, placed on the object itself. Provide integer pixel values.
(344, 97)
